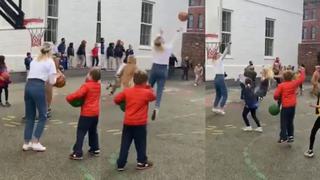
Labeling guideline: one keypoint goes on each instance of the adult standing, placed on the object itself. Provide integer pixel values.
(219, 83)
(70, 54)
(172, 64)
(128, 52)
(276, 68)
(110, 56)
(42, 70)
(62, 47)
(159, 71)
(185, 68)
(118, 52)
(315, 81)
(81, 53)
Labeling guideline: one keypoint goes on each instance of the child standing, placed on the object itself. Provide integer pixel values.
(27, 61)
(316, 126)
(286, 92)
(251, 105)
(90, 91)
(137, 100)
(198, 71)
(4, 82)
(95, 55)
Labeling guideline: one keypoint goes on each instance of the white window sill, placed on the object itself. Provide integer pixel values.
(269, 58)
(148, 48)
(228, 57)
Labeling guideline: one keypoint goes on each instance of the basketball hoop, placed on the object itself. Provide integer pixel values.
(212, 50)
(36, 33)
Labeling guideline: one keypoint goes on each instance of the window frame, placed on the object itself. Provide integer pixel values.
(226, 32)
(269, 37)
(149, 24)
(54, 18)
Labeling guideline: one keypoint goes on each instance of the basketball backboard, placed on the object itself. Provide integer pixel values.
(32, 9)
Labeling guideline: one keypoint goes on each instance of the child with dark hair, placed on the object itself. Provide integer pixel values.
(90, 92)
(286, 92)
(251, 105)
(137, 100)
(27, 61)
(4, 82)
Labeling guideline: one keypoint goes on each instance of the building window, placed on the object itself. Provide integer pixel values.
(146, 23)
(200, 21)
(190, 21)
(313, 33)
(98, 34)
(52, 21)
(304, 33)
(192, 3)
(269, 37)
(305, 15)
(226, 30)
(314, 14)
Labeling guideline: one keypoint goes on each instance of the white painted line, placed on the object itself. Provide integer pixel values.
(73, 123)
(217, 133)
(113, 130)
(117, 133)
(6, 119)
(15, 123)
(9, 125)
(198, 132)
(11, 117)
(170, 134)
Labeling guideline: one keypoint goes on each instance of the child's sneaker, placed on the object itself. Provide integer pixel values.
(27, 147)
(8, 104)
(290, 139)
(75, 156)
(154, 115)
(309, 153)
(215, 110)
(3, 105)
(95, 153)
(120, 169)
(143, 166)
(259, 129)
(247, 128)
(49, 113)
(38, 147)
(221, 112)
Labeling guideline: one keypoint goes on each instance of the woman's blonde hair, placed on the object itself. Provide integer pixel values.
(158, 43)
(128, 72)
(131, 59)
(45, 52)
(267, 73)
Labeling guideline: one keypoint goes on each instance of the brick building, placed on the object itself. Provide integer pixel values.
(193, 41)
(309, 49)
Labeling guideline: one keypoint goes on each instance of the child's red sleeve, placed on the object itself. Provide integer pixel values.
(80, 93)
(301, 78)
(151, 95)
(277, 93)
(119, 98)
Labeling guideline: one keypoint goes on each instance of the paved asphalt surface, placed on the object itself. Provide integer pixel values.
(175, 141)
(234, 154)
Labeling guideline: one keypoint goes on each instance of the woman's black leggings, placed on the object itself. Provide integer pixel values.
(245, 113)
(6, 93)
(314, 130)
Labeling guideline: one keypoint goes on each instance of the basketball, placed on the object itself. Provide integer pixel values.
(77, 102)
(61, 82)
(123, 106)
(274, 109)
(183, 16)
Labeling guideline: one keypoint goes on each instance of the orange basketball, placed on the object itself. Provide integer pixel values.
(183, 16)
(61, 82)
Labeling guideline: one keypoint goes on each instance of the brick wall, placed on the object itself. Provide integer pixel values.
(193, 45)
(308, 55)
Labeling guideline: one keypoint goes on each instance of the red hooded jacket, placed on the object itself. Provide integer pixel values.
(90, 91)
(286, 91)
(95, 52)
(137, 101)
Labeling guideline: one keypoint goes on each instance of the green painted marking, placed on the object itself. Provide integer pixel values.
(261, 176)
(88, 177)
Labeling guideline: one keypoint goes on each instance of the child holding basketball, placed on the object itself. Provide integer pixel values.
(316, 127)
(4, 82)
(286, 91)
(251, 105)
(90, 92)
(137, 100)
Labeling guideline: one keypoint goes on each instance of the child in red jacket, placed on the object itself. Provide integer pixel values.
(95, 55)
(90, 92)
(137, 100)
(286, 93)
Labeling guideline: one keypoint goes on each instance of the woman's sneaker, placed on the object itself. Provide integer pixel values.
(309, 153)
(120, 169)
(247, 128)
(143, 166)
(95, 153)
(75, 156)
(38, 147)
(8, 104)
(259, 129)
(282, 141)
(290, 139)
(27, 147)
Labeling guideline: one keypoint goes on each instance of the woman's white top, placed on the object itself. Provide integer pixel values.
(44, 70)
(162, 57)
(218, 67)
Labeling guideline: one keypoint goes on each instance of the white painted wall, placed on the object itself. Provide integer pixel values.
(120, 20)
(248, 32)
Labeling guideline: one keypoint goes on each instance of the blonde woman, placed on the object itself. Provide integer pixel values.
(266, 76)
(159, 71)
(42, 70)
(126, 75)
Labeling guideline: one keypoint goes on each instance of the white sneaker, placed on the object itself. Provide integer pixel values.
(248, 128)
(222, 112)
(27, 147)
(215, 110)
(259, 129)
(38, 147)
